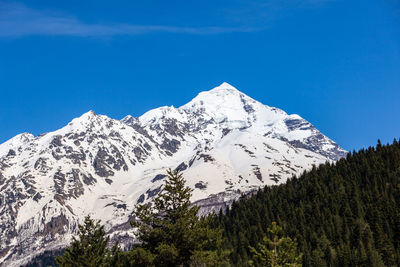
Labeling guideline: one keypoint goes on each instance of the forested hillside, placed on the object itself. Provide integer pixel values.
(342, 214)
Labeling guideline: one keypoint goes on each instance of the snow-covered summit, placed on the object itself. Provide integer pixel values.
(223, 89)
(225, 143)
(224, 94)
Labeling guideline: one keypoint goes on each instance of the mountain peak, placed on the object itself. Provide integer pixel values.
(225, 86)
(222, 90)
(128, 119)
(84, 119)
(222, 96)
(86, 116)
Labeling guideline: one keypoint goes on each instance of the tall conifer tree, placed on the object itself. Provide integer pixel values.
(170, 232)
(90, 249)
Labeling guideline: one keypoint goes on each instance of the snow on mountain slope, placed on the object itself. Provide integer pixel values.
(225, 142)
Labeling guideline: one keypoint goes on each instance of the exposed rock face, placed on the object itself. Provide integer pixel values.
(225, 143)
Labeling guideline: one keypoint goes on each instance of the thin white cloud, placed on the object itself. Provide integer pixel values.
(17, 20)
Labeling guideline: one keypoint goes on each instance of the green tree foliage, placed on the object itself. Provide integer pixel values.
(170, 232)
(341, 214)
(90, 249)
(276, 250)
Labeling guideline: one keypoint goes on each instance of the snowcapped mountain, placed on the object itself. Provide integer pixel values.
(225, 143)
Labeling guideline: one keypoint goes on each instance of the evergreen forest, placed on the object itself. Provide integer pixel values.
(342, 214)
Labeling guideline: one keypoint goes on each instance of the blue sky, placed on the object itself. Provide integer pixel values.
(334, 62)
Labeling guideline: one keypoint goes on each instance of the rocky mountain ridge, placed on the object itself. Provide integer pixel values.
(225, 143)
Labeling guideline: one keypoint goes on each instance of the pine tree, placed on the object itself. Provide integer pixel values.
(276, 250)
(170, 232)
(90, 249)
